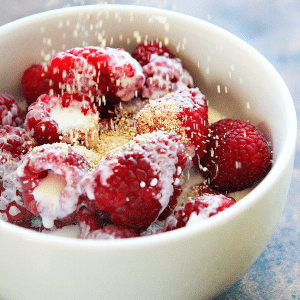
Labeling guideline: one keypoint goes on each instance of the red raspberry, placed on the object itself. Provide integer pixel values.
(96, 224)
(164, 75)
(112, 232)
(198, 209)
(238, 156)
(50, 176)
(61, 118)
(10, 112)
(36, 80)
(91, 219)
(105, 72)
(143, 52)
(184, 112)
(134, 183)
(14, 144)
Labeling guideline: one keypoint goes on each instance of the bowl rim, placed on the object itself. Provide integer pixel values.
(283, 159)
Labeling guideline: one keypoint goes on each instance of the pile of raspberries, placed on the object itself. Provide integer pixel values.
(49, 177)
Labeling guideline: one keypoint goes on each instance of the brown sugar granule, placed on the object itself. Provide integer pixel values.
(92, 157)
(162, 114)
(158, 115)
(193, 193)
(119, 132)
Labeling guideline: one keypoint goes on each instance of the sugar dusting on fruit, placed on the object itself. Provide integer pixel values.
(14, 144)
(130, 172)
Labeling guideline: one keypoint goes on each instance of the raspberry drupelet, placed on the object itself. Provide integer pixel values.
(238, 156)
(164, 75)
(143, 52)
(107, 73)
(50, 177)
(197, 209)
(135, 182)
(10, 112)
(184, 112)
(71, 118)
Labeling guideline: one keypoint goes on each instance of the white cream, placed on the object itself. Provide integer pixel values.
(71, 231)
(68, 117)
(47, 195)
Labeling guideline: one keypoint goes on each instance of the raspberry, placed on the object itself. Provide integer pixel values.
(14, 144)
(143, 52)
(184, 112)
(238, 156)
(135, 182)
(104, 72)
(50, 176)
(36, 80)
(10, 112)
(96, 224)
(198, 209)
(61, 118)
(90, 218)
(164, 75)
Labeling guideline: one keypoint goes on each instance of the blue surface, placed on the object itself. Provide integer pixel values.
(273, 28)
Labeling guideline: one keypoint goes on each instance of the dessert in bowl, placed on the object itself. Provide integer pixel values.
(194, 262)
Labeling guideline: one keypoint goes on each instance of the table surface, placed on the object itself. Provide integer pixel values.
(273, 28)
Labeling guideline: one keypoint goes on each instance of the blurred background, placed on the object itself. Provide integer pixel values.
(273, 28)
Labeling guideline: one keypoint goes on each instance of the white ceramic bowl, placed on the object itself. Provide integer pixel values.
(196, 262)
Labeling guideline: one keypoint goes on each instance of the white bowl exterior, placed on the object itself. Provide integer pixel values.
(190, 263)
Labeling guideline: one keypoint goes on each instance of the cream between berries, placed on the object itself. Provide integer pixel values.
(50, 175)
